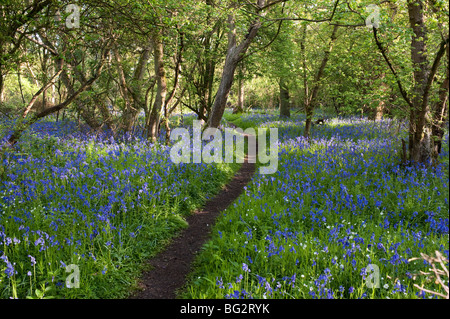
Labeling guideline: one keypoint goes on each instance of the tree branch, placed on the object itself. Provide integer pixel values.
(399, 83)
(270, 42)
(42, 89)
(309, 20)
(433, 71)
(272, 4)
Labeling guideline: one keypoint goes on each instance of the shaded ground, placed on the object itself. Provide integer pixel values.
(170, 268)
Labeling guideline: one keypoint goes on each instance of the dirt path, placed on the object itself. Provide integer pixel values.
(170, 268)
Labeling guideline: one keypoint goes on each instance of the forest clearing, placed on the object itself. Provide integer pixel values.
(122, 174)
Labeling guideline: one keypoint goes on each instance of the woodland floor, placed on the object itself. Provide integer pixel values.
(168, 270)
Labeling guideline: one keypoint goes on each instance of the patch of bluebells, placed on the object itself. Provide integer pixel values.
(88, 196)
(268, 288)
(337, 203)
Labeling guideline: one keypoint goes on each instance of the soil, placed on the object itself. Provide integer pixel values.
(170, 268)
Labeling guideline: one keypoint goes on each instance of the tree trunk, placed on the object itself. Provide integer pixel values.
(308, 123)
(379, 110)
(241, 94)
(418, 139)
(2, 85)
(161, 91)
(234, 54)
(136, 89)
(107, 118)
(60, 65)
(311, 104)
(240, 103)
(285, 109)
(226, 82)
(210, 68)
(420, 127)
(440, 115)
(129, 112)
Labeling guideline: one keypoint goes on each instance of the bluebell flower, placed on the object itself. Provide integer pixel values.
(39, 241)
(234, 295)
(219, 283)
(33, 260)
(9, 271)
(261, 280)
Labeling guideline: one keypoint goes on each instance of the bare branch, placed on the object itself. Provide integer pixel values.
(270, 42)
(399, 83)
(42, 89)
(433, 70)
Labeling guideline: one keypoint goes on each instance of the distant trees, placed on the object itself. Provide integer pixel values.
(236, 51)
(15, 19)
(68, 63)
(125, 58)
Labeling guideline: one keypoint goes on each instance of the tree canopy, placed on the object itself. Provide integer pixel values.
(106, 62)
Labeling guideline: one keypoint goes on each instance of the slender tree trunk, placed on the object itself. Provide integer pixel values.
(285, 109)
(170, 96)
(241, 94)
(440, 115)
(210, 66)
(240, 101)
(308, 123)
(161, 91)
(129, 112)
(311, 104)
(379, 110)
(2, 87)
(19, 80)
(305, 77)
(210, 62)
